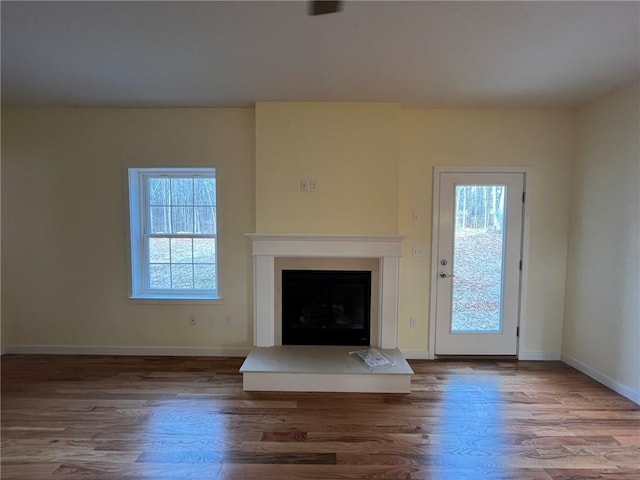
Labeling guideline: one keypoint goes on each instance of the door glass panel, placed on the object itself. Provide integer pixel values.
(478, 258)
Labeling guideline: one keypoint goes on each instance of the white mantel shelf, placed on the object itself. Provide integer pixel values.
(268, 246)
(312, 245)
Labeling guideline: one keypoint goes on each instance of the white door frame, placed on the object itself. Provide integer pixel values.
(434, 248)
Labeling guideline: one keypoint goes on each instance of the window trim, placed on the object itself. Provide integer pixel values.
(138, 224)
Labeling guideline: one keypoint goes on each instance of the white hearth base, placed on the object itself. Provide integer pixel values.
(322, 369)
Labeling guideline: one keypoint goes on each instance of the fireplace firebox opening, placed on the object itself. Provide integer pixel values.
(326, 307)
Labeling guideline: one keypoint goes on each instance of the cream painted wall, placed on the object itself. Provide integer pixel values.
(65, 224)
(373, 164)
(602, 313)
(539, 139)
(350, 149)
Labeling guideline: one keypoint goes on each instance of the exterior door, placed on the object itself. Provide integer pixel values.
(479, 248)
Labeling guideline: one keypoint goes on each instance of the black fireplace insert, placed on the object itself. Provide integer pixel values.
(326, 307)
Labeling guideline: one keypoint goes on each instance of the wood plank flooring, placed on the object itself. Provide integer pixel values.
(160, 418)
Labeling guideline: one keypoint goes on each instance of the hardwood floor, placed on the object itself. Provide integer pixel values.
(159, 418)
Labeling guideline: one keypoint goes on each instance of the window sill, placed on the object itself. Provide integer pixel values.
(158, 300)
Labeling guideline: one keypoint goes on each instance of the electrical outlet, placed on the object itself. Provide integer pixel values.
(212, 321)
(192, 320)
(304, 185)
(412, 322)
(418, 251)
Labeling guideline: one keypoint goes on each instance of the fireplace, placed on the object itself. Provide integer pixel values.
(326, 307)
(323, 251)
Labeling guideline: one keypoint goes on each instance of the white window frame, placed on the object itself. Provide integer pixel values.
(138, 219)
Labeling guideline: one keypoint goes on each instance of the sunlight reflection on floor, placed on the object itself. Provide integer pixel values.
(470, 438)
(192, 434)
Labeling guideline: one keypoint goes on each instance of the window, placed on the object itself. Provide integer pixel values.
(173, 233)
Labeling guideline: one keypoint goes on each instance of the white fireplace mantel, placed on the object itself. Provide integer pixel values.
(266, 247)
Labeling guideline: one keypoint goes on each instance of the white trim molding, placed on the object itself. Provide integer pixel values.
(133, 351)
(600, 377)
(268, 247)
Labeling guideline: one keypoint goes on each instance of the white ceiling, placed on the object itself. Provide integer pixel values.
(447, 54)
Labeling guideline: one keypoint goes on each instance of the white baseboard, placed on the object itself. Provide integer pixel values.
(530, 355)
(539, 355)
(416, 354)
(102, 350)
(617, 387)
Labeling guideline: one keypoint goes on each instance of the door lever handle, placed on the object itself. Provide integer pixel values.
(444, 275)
